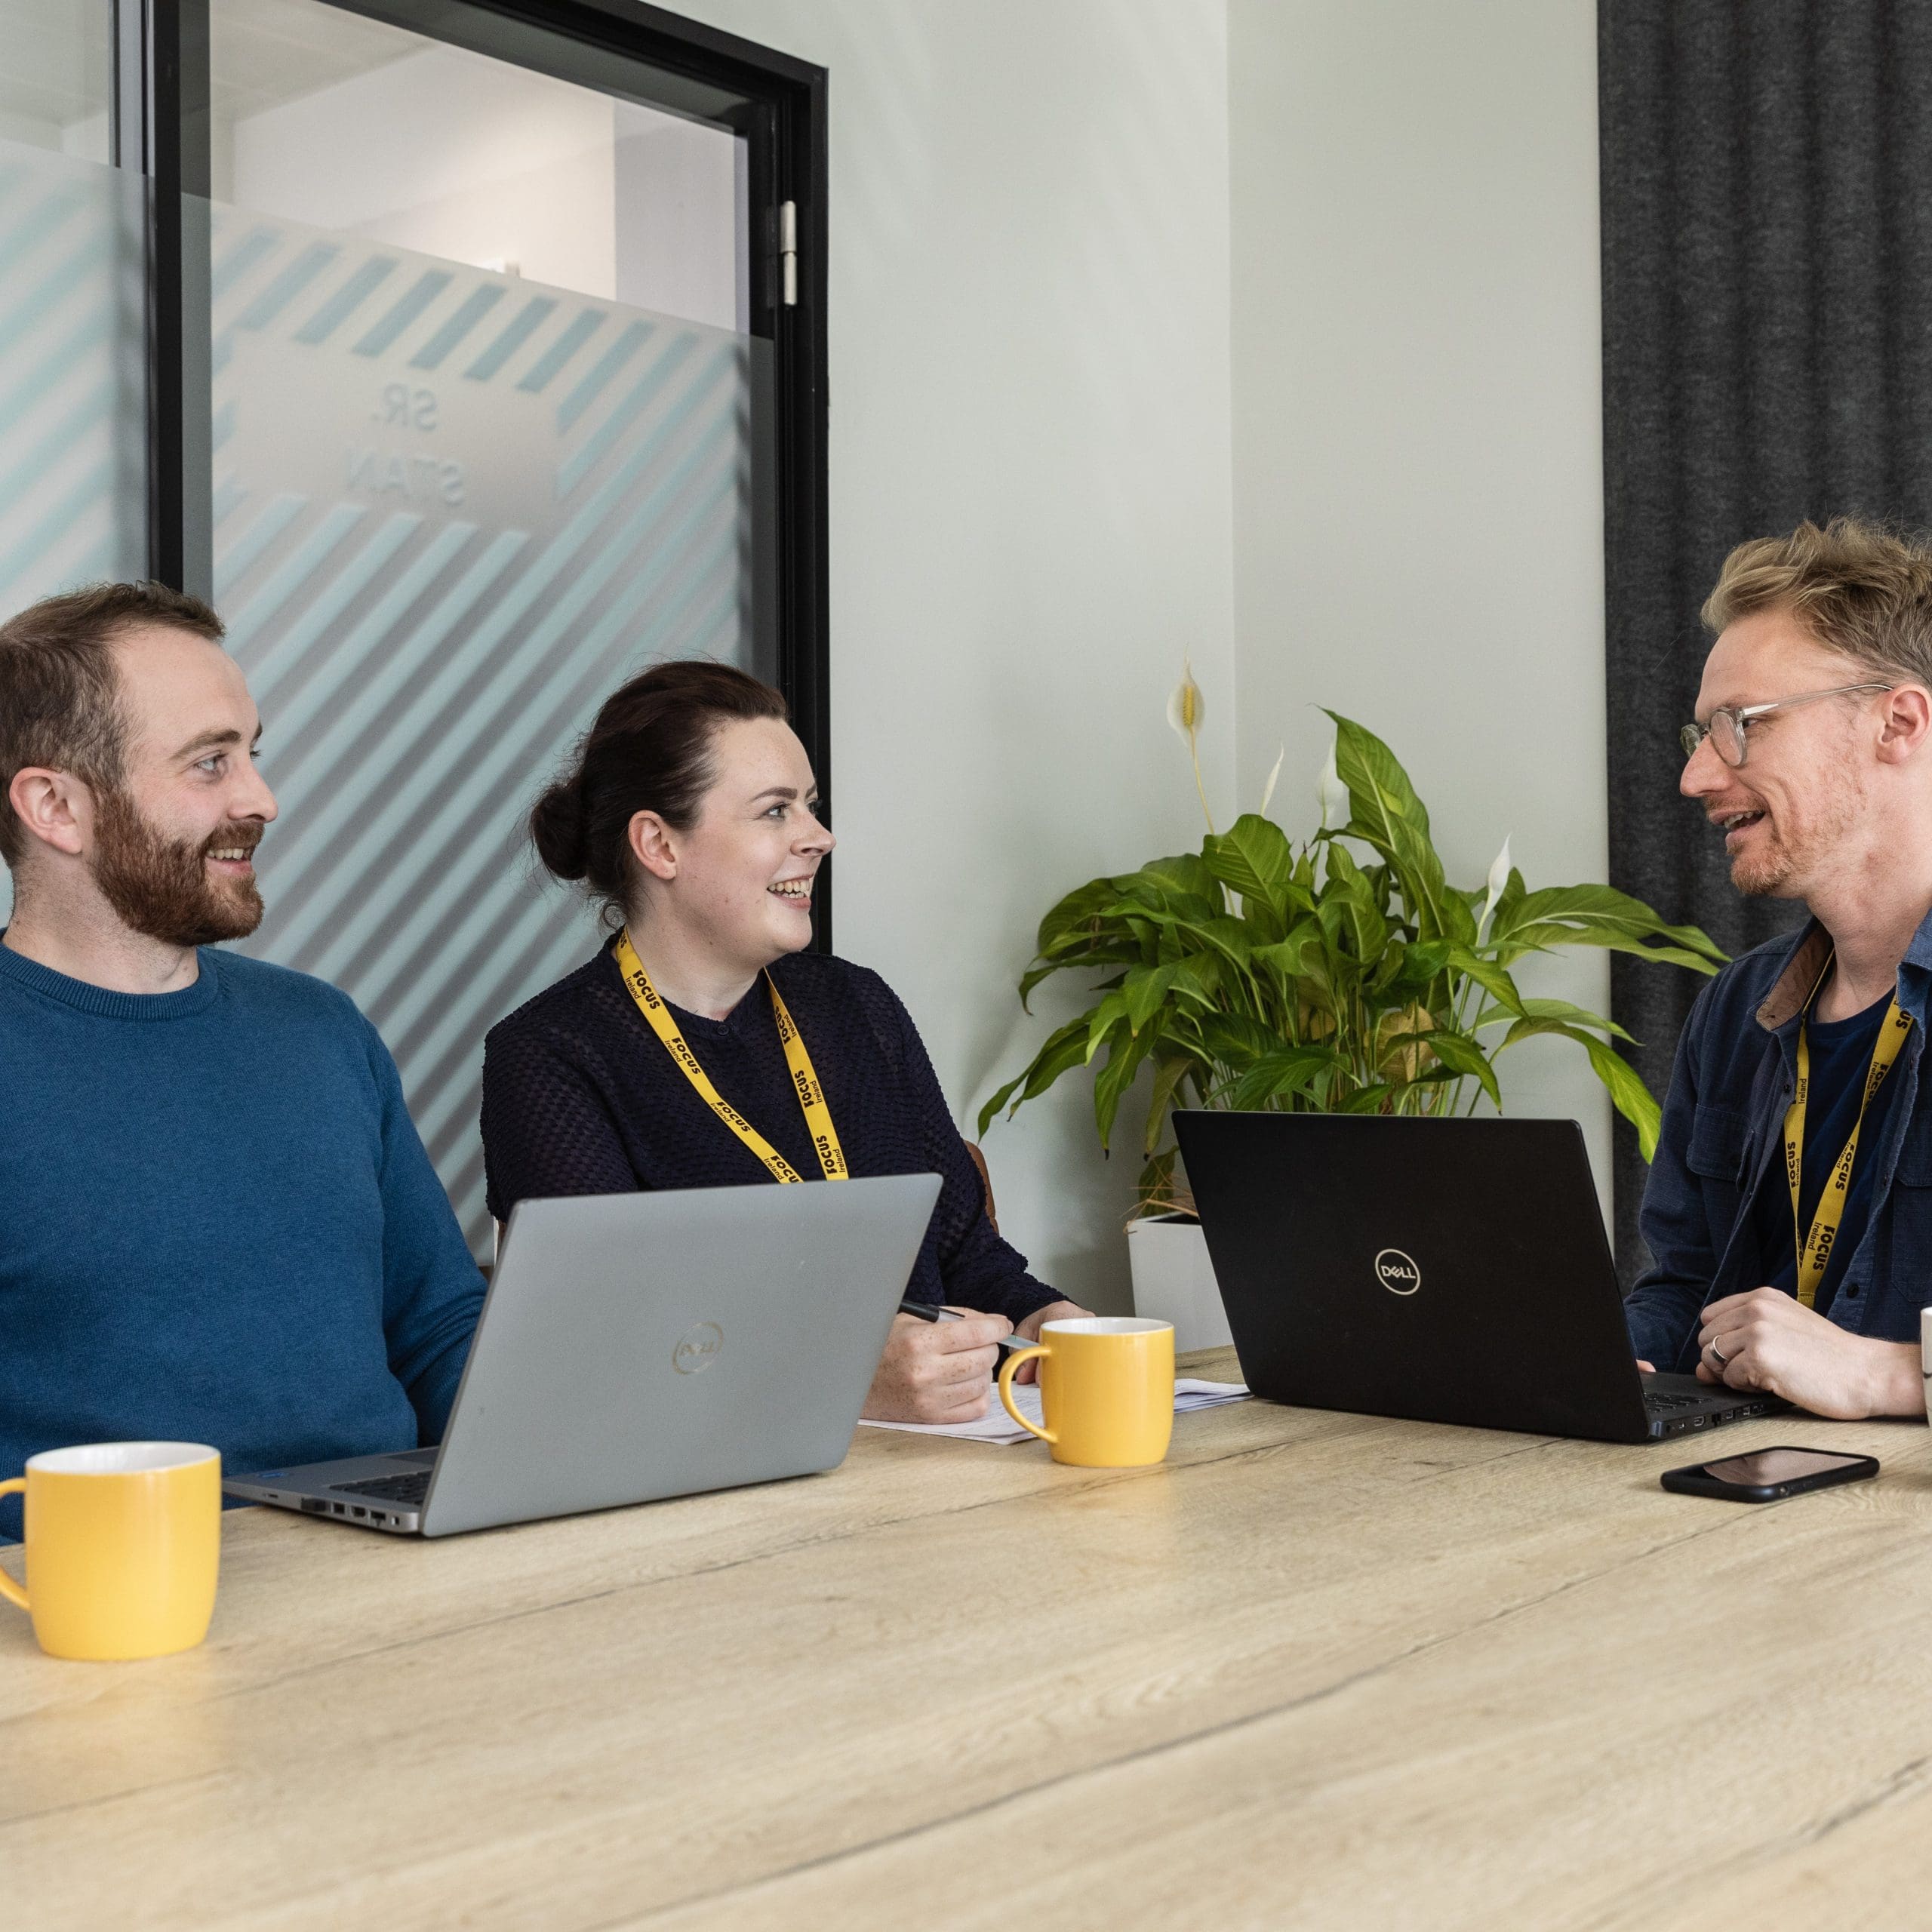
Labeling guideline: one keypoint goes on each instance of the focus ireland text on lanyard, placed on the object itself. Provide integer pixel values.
(805, 1082)
(1814, 1244)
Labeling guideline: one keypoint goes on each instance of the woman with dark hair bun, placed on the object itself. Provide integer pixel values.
(691, 812)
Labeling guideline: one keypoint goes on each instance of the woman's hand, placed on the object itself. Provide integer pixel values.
(1030, 1330)
(936, 1371)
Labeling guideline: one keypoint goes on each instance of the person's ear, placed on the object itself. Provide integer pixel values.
(56, 808)
(1906, 724)
(653, 844)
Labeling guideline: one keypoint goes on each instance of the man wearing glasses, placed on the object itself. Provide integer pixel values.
(1789, 1212)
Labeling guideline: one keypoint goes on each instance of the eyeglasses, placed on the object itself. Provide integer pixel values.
(1726, 727)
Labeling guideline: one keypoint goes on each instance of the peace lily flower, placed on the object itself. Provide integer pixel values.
(1499, 877)
(1267, 790)
(1332, 795)
(1186, 709)
(1185, 706)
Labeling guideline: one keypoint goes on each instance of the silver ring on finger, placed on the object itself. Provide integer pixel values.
(1722, 1360)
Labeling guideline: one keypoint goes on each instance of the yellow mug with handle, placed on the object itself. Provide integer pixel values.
(123, 1544)
(1106, 1389)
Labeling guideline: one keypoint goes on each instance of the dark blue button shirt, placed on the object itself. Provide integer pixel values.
(1841, 1053)
(1710, 1218)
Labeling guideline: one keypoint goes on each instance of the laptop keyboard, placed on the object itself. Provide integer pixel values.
(1664, 1405)
(390, 1489)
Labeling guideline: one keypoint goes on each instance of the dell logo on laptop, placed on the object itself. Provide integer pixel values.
(1397, 1272)
(697, 1348)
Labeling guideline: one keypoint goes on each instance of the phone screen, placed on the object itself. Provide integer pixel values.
(1764, 1468)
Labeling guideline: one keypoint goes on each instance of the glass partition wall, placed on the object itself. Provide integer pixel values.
(469, 386)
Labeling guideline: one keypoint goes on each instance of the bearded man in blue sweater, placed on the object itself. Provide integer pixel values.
(217, 1223)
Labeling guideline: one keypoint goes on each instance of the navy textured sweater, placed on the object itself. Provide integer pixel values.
(217, 1224)
(580, 1096)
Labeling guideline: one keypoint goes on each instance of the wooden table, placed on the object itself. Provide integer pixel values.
(1317, 1670)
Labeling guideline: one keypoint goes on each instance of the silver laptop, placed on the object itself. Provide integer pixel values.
(639, 1345)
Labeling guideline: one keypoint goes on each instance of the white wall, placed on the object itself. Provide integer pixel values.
(1030, 509)
(1417, 437)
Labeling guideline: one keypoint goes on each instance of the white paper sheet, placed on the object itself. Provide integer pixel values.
(996, 1425)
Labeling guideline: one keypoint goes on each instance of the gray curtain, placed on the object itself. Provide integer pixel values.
(1767, 172)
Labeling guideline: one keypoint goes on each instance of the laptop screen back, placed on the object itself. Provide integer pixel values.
(1453, 1271)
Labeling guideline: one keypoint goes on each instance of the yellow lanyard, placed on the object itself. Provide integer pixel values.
(811, 1095)
(1815, 1245)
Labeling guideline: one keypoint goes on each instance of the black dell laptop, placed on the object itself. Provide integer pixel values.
(1448, 1270)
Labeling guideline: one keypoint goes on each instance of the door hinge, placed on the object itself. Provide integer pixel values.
(787, 253)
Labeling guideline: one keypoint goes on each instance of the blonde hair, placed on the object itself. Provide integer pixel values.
(1858, 588)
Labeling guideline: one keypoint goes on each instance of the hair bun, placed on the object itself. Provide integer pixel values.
(560, 829)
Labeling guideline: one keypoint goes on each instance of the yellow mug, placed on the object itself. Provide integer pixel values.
(123, 1543)
(1106, 1389)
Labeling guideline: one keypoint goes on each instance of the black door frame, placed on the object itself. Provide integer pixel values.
(776, 102)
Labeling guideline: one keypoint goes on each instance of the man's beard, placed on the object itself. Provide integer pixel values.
(161, 886)
(1787, 867)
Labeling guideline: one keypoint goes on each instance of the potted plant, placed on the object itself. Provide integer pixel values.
(1342, 974)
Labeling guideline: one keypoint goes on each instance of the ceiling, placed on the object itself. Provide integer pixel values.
(59, 64)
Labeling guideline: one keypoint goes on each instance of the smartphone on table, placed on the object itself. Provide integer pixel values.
(1769, 1475)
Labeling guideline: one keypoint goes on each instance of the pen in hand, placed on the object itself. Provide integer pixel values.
(927, 1311)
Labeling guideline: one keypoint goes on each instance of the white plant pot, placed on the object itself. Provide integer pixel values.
(1173, 1280)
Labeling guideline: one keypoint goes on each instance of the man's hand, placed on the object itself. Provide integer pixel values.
(936, 1371)
(1768, 1339)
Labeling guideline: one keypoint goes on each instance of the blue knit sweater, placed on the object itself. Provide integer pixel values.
(217, 1224)
(579, 1096)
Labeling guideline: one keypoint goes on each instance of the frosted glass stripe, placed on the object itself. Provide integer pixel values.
(346, 301)
(525, 324)
(427, 288)
(478, 304)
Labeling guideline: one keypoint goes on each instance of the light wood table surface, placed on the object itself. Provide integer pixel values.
(1316, 1670)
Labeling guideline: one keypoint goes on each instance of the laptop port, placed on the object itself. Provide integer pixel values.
(355, 1509)
(314, 1506)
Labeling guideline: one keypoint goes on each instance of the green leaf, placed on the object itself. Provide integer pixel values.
(1491, 977)
(1289, 957)
(1189, 871)
(1112, 1012)
(1410, 970)
(1597, 915)
(1254, 856)
(1560, 1011)
(1113, 1080)
(1384, 810)
(1198, 977)
(1236, 1041)
(1361, 922)
(1466, 1059)
(1066, 1047)
(1169, 1071)
(1146, 991)
(1628, 1094)
(1291, 1070)
(1154, 889)
(1074, 914)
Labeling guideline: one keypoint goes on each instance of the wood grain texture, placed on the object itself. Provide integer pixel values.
(1316, 1670)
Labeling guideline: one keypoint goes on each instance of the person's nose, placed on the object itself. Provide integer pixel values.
(817, 839)
(1704, 772)
(256, 800)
